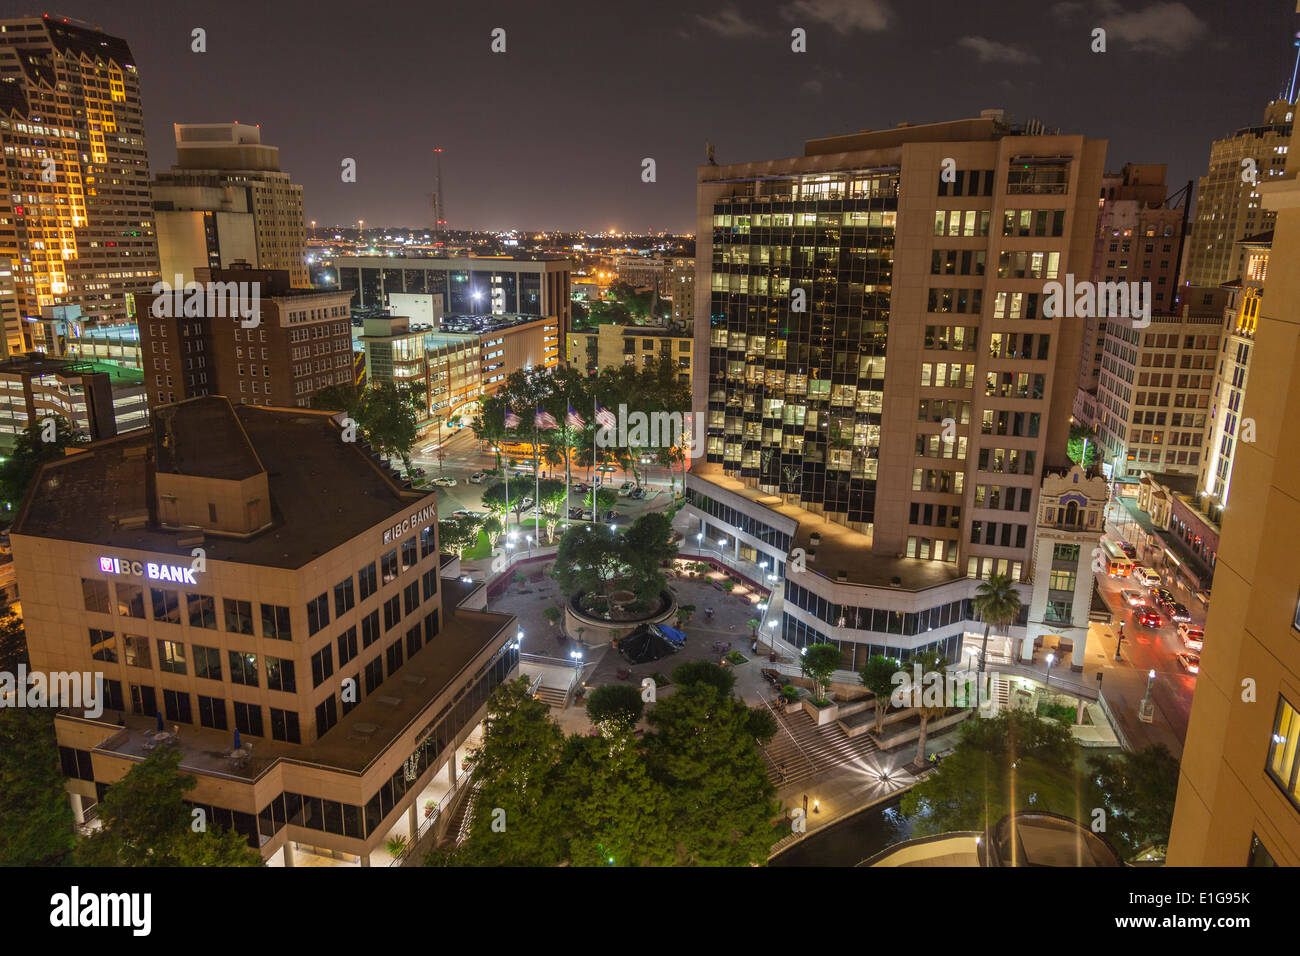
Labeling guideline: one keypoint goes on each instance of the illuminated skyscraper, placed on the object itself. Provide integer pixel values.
(76, 222)
(1227, 205)
(225, 200)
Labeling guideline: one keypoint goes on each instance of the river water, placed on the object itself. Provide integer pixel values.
(852, 840)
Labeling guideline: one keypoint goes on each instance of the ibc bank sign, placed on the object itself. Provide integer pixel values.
(155, 572)
(412, 521)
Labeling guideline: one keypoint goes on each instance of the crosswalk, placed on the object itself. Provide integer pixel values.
(802, 749)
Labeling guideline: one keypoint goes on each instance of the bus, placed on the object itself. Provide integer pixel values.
(1118, 564)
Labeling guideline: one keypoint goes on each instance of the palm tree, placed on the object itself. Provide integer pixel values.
(998, 603)
(932, 662)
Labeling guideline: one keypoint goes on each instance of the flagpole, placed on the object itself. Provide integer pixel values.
(568, 471)
(595, 426)
(537, 477)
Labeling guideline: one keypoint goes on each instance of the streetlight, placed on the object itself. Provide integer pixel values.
(699, 543)
(519, 639)
(1048, 680)
(530, 545)
(1151, 679)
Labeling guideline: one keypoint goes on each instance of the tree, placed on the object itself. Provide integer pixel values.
(588, 561)
(494, 497)
(762, 725)
(618, 814)
(386, 415)
(517, 771)
(338, 398)
(13, 641)
(705, 672)
(605, 500)
(43, 440)
(553, 493)
(1079, 435)
(684, 613)
(35, 818)
(456, 535)
(614, 706)
(703, 752)
(1013, 760)
(1138, 789)
(931, 662)
(878, 677)
(998, 603)
(648, 549)
(819, 661)
(146, 821)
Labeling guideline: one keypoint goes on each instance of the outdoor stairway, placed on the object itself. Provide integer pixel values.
(552, 696)
(805, 749)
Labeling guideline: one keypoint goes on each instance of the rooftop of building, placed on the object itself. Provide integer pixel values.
(480, 324)
(840, 549)
(451, 262)
(272, 283)
(324, 491)
(361, 735)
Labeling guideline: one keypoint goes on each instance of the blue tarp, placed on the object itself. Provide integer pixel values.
(672, 634)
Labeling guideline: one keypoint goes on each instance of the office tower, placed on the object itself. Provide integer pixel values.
(1227, 205)
(1239, 787)
(226, 199)
(641, 272)
(76, 223)
(1153, 394)
(873, 428)
(1224, 426)
(467, 285)
(299, 342)
(445, 367)
(613, 346)
(313, 670)
(680, 285)
(1139, 239)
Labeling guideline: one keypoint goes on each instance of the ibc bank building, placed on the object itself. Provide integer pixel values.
(244, 573)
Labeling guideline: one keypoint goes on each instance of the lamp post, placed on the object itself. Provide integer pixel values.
(1151, 679)
(1048, 678)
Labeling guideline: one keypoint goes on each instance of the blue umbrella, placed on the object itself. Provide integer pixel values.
(236, 739)
(160, 720)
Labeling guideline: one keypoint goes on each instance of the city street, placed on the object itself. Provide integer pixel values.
(1145, 649)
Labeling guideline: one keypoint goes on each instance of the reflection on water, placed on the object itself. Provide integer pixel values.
(850, 841)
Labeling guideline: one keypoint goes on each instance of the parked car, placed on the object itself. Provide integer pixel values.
(478, 478)
(1179, 613)
(1150, 618)
(1189, 662)
(417, 470)
(445, 481)
(1132, 598)
(611, 516)
(637, 494)
(626, 486)
(1193, 636)
(580, 487)
(526, 503)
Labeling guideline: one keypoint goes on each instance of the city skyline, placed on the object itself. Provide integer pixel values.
(953, 60)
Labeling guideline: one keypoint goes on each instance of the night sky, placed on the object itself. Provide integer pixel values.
(551, 134)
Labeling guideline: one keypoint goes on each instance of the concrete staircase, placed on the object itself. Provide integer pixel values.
(804, 749)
